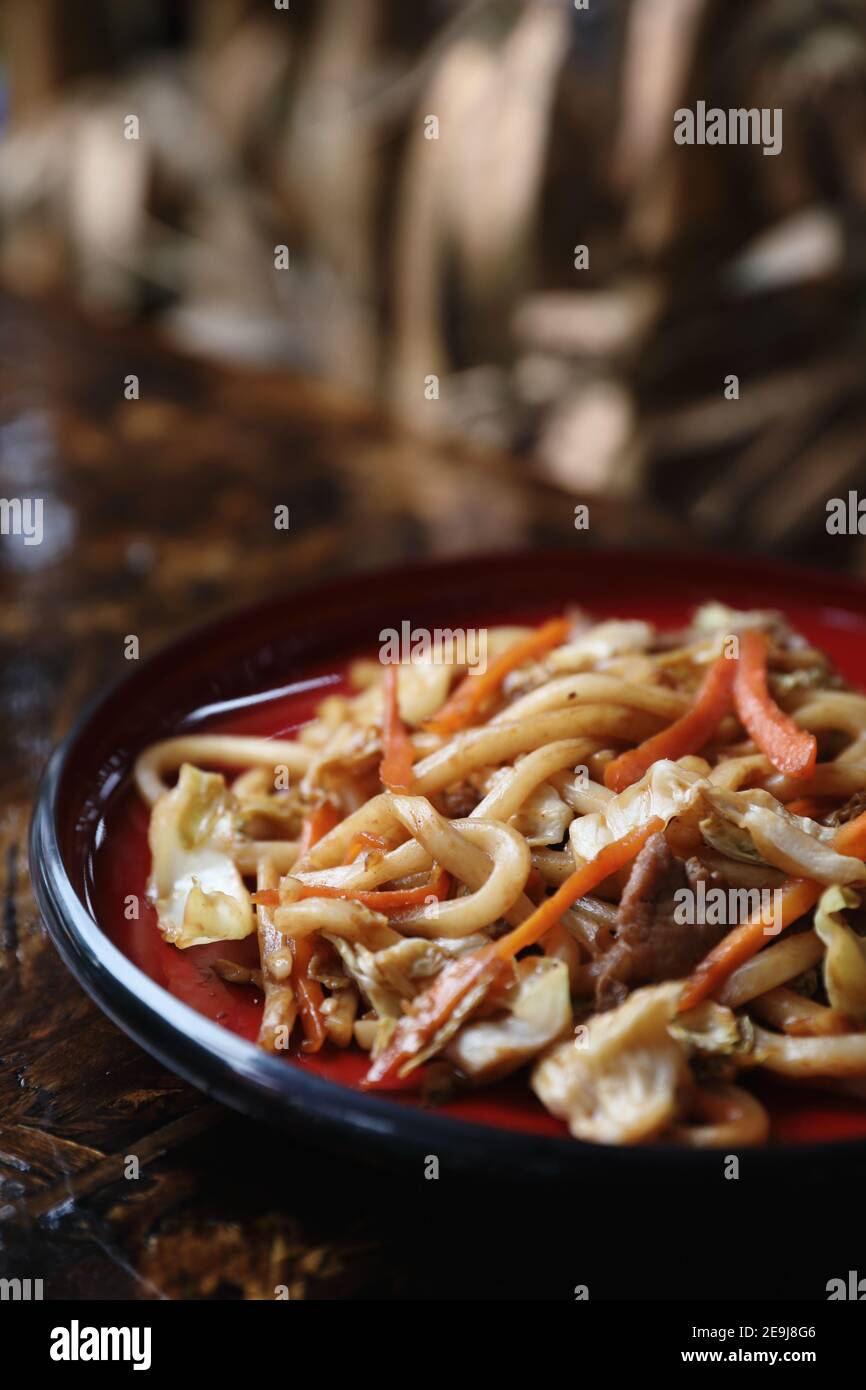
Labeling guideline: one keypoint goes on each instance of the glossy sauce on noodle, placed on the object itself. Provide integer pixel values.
(120, 863)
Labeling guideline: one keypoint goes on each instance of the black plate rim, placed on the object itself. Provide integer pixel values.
(232, 1070)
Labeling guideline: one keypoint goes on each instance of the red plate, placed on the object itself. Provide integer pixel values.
(263, 672)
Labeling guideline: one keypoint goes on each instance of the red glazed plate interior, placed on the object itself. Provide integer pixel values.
(663, 590)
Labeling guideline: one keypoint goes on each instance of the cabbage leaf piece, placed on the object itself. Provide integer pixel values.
(194, 883)
(752, 826)
(665, 790)
(715, 617)
(759, 825)
(602, 642)
(544, 817)
(422, 687)
(845, 957)
(538, 1011)
(623, 1080)
(714, 1029)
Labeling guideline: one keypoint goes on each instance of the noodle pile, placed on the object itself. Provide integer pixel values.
(626, 861)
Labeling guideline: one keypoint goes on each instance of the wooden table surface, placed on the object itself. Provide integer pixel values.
(158, 515)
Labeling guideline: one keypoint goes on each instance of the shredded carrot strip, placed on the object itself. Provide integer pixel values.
(309, 995)
(790, 749)
(851, 838)
(798, 896)
(486, 966)
(384, 899)
(577, 885)
(431, 1010)
(686, 735)
(364, 840)
(316, 826)
(395, 769)
(466, 703)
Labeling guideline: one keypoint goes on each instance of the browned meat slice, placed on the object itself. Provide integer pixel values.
(459, 801)
(650, 944)
(852, 808)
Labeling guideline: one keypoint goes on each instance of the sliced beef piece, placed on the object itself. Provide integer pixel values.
(650, 944)
(457, 802)
(852, 808)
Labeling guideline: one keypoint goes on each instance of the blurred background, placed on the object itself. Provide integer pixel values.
(484, 192)
(430, 275)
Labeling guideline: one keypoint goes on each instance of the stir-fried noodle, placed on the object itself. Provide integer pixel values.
(626, 861)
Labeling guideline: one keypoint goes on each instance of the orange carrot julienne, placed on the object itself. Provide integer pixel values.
(387, 900)
(614, 856)
(430, 1010)
(365, 840)
(316, 825)
(790, 749)
(745, 940)
(484, 968)
(851, 838)
(266, 897)
(467, 702)
(686, 735)
(798, 896)
(395, 769)
(309, 993)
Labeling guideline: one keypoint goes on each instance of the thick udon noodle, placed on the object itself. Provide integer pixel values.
(548, 734)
